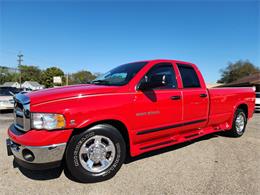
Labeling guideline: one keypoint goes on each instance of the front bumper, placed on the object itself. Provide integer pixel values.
(34, 154)
(34, 157)
(35, 149)
(6, 107)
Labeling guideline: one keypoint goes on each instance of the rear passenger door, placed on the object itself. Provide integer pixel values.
(195, 98)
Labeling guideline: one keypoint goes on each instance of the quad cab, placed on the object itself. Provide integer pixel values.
(132, 109)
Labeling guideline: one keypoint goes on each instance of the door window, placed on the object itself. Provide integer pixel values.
(189, 76)
(162, 73)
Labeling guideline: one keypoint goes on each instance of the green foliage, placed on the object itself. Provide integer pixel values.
(48, 74)
(44, 77)
(237, 70)
(30, 73)
(81, 77)
(8, 76)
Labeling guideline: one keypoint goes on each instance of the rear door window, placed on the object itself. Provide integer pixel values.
(189, 76)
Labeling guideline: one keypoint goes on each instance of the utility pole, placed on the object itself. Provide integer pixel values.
(20, 56)
(67, 79)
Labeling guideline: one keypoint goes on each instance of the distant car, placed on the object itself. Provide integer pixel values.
(257, 101)
(6, 97)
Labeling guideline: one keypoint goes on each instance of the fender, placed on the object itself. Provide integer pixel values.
(97, 119)
(235, 108)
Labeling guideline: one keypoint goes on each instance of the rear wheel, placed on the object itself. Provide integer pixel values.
(239, 123)
(96, 154)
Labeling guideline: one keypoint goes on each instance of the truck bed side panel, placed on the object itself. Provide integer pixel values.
(224, 102)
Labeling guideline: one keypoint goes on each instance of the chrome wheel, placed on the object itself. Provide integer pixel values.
(240, 122)
(97, 153)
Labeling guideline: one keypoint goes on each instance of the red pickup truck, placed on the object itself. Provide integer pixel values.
(132, 109)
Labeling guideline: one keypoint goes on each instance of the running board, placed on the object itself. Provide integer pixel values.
(158, 144)
(192, 135)
(167, 140)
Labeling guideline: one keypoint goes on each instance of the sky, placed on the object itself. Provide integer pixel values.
(99, 35)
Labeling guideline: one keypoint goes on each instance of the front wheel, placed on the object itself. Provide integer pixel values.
(95, 154)
(239, 123)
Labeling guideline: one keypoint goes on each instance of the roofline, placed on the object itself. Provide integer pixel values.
(172, 60)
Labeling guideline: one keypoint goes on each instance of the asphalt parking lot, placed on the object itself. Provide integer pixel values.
(214, 164)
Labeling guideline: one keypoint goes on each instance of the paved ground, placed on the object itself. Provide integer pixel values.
(211, 165)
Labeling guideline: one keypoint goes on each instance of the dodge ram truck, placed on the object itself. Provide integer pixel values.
(132, 109)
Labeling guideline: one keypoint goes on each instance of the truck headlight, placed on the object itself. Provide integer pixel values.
(48, 121)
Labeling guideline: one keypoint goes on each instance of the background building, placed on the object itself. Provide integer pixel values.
(248, 81)
(32, 85)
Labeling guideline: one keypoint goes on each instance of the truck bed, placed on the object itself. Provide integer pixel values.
(223, 102)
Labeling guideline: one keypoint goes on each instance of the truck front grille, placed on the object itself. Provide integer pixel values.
(22, 112)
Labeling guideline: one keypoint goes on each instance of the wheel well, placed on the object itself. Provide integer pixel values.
(117, 124)
(243, 107)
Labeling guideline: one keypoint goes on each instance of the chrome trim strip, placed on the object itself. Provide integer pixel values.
(22, 110)
(170, 127)
(18, 127)
(23, 99)
(42, 154)
(19, 113)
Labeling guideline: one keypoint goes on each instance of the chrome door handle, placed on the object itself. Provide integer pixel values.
(203, 95)
(176, 97)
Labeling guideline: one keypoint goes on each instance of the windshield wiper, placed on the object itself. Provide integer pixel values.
(100, 82)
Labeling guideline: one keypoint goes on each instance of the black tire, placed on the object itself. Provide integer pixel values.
(72, 156)
(235, 132)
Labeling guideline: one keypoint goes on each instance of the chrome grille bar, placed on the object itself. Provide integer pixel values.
(22, 112)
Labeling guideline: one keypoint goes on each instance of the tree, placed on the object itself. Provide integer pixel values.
(237, 70)
(81, 77)
(29, 73)
(48, 74)
(8, 75)
(3, 74)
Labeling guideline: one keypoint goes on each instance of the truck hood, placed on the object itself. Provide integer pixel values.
(60, 93)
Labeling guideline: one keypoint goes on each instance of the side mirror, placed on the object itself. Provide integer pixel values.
(143, 86)
(155, 82)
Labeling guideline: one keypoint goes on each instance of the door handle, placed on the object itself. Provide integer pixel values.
(176, 97)
(203, 95)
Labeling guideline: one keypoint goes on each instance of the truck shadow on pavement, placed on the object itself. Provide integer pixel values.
(56, 172)
(8, 111)
(40, 175)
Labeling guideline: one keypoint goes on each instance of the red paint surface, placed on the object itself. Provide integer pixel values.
(41, 137)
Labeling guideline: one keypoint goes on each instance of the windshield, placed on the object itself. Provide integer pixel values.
(5, 91)
(120, 75)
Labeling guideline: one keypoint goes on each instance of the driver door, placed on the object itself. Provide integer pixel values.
(157, 110)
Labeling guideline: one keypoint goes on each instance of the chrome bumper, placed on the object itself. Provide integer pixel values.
(37, 154)
(6, 107)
